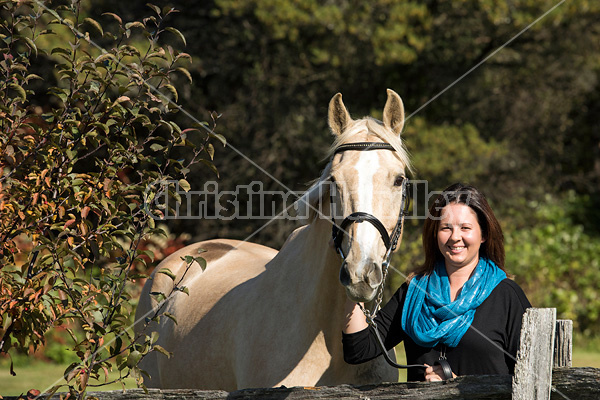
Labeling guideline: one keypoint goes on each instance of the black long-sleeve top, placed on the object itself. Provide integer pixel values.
(489, 347)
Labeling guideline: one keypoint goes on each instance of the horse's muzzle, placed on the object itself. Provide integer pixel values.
(364, 287)
(360, 292)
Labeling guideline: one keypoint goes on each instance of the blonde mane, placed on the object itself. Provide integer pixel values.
(377, 129)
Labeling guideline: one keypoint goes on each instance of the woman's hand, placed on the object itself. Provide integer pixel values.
(435, 374)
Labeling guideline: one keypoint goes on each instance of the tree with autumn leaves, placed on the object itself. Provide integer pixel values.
(80, 165)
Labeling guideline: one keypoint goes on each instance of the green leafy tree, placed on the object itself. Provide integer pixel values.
(557, 263)
(78, 175)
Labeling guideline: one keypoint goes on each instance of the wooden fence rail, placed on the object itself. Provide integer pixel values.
(545, 343)
(567, 383)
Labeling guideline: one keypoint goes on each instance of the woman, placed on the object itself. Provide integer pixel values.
(459, 304)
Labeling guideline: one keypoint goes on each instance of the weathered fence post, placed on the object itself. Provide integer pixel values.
(563, 345)
(533, 371)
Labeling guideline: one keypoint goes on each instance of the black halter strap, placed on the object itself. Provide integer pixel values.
(359, 216)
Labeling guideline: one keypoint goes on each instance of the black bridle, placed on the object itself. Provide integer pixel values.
(390, 241)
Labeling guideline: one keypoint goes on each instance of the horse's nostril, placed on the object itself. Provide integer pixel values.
(344, 275)
(374, 276)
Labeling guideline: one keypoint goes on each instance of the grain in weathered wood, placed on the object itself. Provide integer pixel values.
(563, 344)
(492, 387)
(570, 383)
(576, 383)
(533, 370)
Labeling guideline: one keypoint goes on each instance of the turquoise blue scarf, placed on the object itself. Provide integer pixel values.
(429, 317)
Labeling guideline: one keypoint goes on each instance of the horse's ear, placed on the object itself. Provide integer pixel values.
(339, 118)
(393, 112)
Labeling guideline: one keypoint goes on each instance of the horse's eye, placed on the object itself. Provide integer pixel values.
(399, 179)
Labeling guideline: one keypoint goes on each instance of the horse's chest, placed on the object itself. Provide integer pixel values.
(311, 364)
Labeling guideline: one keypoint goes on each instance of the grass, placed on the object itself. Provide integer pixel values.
(41, 375)
(586, 358)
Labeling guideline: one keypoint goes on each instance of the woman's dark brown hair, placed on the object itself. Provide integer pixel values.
(492, 248)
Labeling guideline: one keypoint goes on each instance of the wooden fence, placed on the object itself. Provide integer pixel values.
(568, 383)
(543, 371)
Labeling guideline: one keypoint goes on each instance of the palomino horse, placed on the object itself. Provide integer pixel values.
(257, 317)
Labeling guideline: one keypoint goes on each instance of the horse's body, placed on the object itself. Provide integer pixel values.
(256, 317)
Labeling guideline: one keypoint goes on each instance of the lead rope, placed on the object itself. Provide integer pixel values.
(370, 318)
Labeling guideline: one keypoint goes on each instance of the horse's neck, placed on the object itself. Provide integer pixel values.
(305, 277)
(308, 269)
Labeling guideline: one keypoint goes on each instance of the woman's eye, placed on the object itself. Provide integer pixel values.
(399, 180)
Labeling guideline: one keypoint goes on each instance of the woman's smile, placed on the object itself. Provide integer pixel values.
(457, 249)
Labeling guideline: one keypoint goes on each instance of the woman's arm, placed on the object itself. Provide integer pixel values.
(355, 318)
(359, 342)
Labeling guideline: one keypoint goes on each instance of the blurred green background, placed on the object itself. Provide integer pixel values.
(523, 126)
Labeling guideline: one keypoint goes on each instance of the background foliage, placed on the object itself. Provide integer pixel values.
(522, 126)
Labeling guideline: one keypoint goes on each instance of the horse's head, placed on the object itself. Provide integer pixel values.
(367, 182)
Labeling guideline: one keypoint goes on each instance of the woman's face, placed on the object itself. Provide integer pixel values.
(459, 236)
